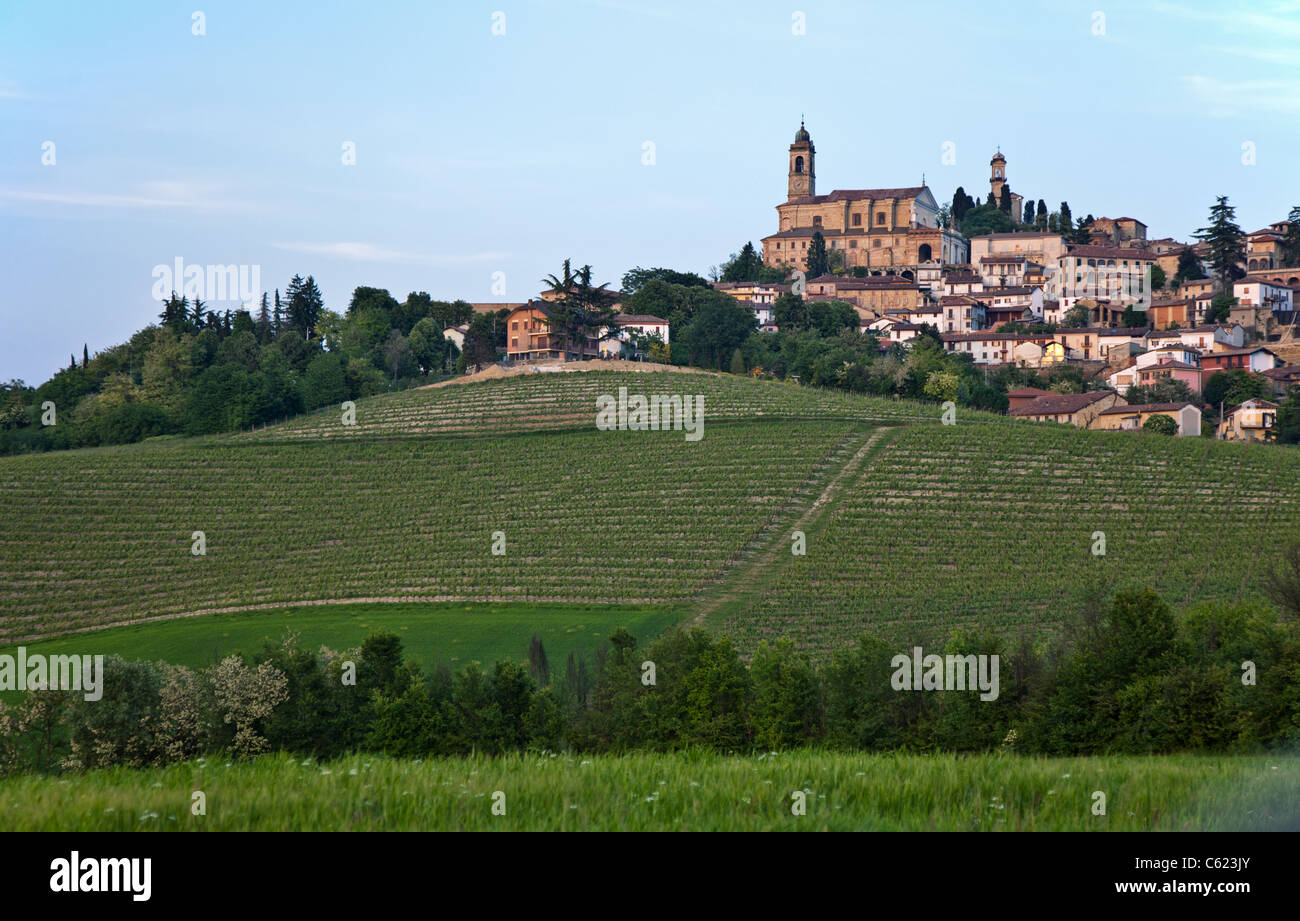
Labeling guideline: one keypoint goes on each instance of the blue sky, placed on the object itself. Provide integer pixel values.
(479, 153)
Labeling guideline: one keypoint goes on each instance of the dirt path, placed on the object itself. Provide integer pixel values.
(496, 372)
(742, 580)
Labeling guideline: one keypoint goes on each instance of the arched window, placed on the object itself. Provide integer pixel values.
(817, 221)
(798, 164)
(923, 253)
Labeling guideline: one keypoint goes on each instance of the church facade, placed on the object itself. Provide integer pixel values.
(892, 231)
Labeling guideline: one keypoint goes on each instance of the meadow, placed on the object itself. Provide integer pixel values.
(689, 791)
(451, 633)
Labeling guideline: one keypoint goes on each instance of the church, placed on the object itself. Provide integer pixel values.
(886, 231)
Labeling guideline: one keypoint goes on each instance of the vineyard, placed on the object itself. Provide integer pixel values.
(964, 527)
(547, 401)
(913, 528)
(103, 537)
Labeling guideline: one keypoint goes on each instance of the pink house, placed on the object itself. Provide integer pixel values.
(1189, 374)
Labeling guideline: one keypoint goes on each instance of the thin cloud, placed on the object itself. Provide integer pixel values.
(1230, 97)
(367, 252)
(160, 196)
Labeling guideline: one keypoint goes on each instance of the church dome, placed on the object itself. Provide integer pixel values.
(801, 136)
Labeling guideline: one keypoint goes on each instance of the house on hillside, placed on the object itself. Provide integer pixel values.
(1077, 409)
(618, 341)
(1178, 353)
(1018, 398)
(1188, 373)
(1256, 359)
(456, 335)
(1202, 338)
(529, 337)
(1253, 420)
(1132, 418)
(1283, 378)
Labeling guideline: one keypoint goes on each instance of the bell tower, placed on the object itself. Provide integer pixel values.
(803, 175)
(998, 176)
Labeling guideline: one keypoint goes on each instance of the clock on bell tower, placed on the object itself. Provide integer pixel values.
(803, 175)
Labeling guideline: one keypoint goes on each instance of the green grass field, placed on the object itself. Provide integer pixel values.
(453, 633)
(672, 792)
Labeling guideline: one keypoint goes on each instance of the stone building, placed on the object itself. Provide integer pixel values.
(888, 231)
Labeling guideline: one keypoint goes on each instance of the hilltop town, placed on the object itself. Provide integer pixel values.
(1159, 315)
(1000, 305)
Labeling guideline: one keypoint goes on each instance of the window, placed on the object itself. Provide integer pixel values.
(515, 325)
(798, 164)
(514, 343)
(853, 244)
(857, 220)
(875, 244)
(880, 218)
(817, 221)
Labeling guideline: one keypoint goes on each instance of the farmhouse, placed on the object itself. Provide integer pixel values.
(1131, 418)
(1077, 409)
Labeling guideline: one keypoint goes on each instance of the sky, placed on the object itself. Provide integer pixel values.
(490, 141)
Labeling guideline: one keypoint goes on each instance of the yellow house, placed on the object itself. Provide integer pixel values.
(1254, 420)
(1132, 418)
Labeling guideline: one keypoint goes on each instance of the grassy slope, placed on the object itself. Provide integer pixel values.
(97, 539)
(673, 792)
(970, 527)
(984, 524)
(454, 633)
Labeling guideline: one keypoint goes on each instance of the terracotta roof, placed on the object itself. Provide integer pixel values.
(992, 337)
(1061, 404)
(859, 195)
(1182, 365)
(1282, 373)
(1030, 392)
(1107, 252)
(1250, 351)
(1145, 408)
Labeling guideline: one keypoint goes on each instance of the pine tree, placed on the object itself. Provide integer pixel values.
(1065, 220)
(85, 355)
(537, 665)
(1029, 212)
(1224, 239)
(73, 366)
(264, 320)
(1291, 241)
(960, 204)
(817, 263)
(279, 317)
(1004, 199)
(1189, 267)
(1042, 214)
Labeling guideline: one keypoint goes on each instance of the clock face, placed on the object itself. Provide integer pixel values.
(800, 183)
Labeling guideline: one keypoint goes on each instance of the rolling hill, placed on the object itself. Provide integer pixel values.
(912, 527)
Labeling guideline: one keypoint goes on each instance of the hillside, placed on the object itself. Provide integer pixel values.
(545, 401)
(913, 527)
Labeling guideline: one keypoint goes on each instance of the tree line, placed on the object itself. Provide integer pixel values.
(200, 371)
(1126, 674)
